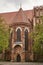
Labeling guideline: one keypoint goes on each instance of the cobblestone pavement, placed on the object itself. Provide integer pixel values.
(13, 63)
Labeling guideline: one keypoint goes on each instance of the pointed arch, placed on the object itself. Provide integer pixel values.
(18, 28)
(26, 28)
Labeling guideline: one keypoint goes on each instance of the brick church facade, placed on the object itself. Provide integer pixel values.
(22, 24)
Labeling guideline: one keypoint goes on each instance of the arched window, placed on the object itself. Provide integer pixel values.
(26, 39)
(18, 35)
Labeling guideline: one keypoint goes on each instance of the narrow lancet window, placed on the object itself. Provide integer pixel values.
(18, 35)
(26, 39)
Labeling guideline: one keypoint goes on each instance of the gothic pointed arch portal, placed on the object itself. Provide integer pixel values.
(18, 58)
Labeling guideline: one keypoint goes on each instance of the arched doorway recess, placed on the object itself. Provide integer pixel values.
(18, 58)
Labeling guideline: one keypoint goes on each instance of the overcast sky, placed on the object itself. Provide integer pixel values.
(14, 5)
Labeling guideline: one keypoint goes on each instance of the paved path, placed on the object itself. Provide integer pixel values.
(13, 63)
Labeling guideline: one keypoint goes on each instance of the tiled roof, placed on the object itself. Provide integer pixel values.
(18, 16)
(8, 16)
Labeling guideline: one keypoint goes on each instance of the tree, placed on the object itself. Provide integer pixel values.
(37, 36)
(4, 35)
